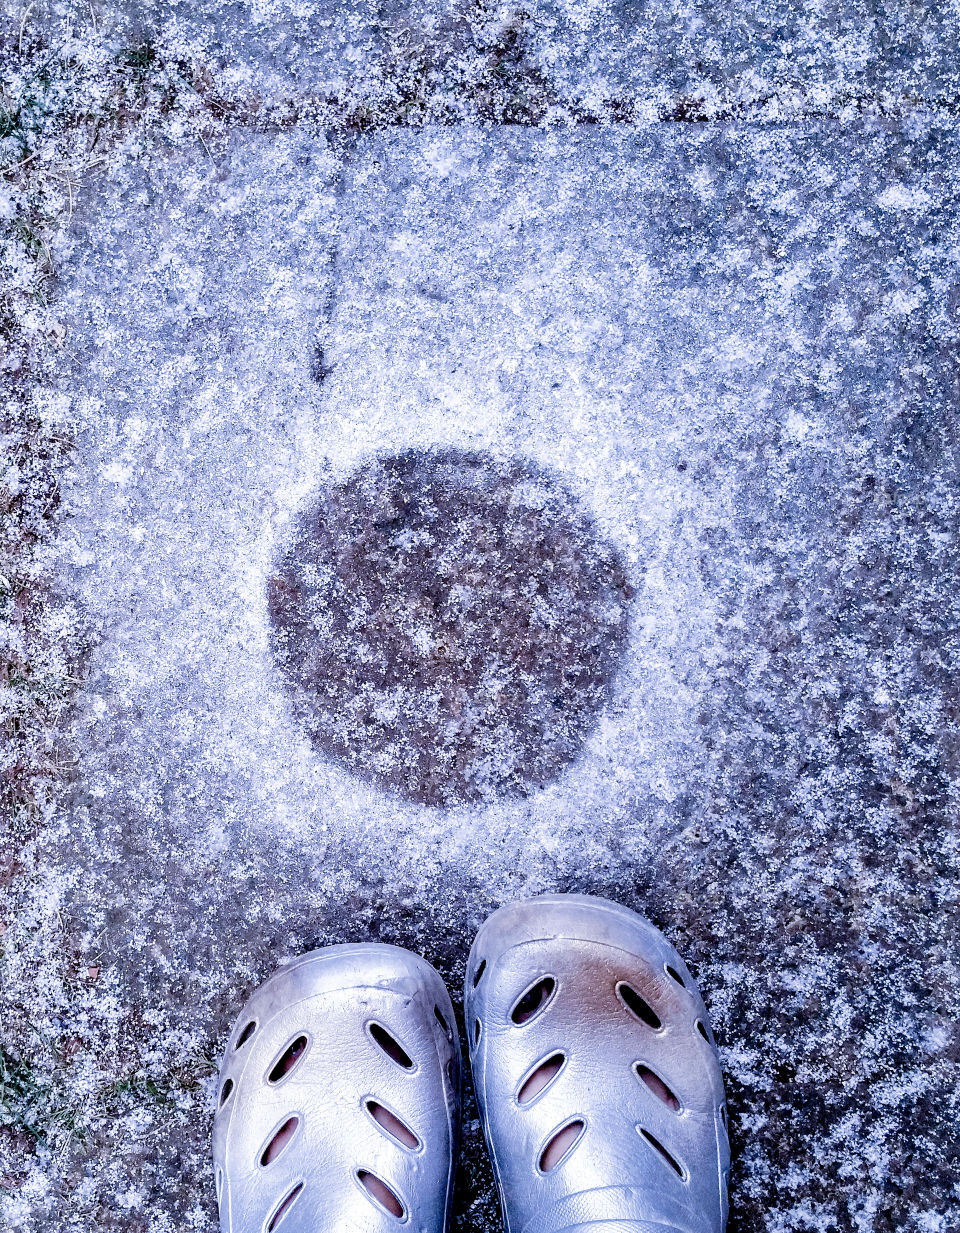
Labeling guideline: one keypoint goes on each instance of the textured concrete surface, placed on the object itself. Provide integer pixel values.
(735, 347)
(281, 46)
(691, 58)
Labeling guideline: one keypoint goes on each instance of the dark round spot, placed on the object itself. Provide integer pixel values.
(448, 625)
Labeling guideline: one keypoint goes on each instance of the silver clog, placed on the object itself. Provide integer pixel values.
(338, 1099)
(595, 1071)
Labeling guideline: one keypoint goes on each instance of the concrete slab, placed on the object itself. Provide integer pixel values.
(269, 51)
(686, 59)
(733, 347)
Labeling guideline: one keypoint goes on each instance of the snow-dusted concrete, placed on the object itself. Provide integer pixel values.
(687, 57)
(514, 294)
(281, 48)
(734, 348)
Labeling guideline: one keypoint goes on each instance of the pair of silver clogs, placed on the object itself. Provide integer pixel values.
(593, 1063)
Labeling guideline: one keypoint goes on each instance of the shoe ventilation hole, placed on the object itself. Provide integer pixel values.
(219, 1185)
(283, 1207)
(723, 1115)
(279, 1141)
(441, 1019)
(675, 975)
(481, 967)
(245, 1035)
(541, 1078)
(560, 1146)
(288, 1059)
(657, 1086)
(534, 1001)
(381, 1194)
(225, 1092)
(392, 1125)
(655, 1143)
(701, 1028)
(391, 1046)
(476, 1032)
(637, 1006)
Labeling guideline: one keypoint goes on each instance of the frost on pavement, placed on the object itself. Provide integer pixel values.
(732, 350)
(676, 59)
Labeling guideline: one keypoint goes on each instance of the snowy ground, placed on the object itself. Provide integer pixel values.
(734, 346)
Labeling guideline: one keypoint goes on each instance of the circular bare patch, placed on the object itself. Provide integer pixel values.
(448, 625)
